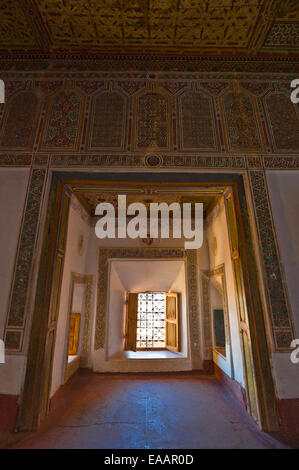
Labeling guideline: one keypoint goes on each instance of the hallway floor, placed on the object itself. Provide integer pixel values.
(147, 411)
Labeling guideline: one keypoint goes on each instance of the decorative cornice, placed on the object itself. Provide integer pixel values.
(97, 62)
(163, 161)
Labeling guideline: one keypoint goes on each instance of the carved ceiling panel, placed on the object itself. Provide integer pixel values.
(146, 23)
(284, 32)
(148, 26)
(16, 30)
(90, 198)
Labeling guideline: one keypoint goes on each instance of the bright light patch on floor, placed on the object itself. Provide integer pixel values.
(151, 320)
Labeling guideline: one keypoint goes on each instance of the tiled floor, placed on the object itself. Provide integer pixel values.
(144, 411)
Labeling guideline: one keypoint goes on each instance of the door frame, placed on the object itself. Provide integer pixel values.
(35, 397)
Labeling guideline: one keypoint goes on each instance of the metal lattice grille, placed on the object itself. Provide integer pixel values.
(151, 320)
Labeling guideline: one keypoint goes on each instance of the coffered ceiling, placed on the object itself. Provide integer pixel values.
(232, 27)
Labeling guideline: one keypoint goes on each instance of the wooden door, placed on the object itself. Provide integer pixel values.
(172, 322)
(74, 334)
(251, 392)
(131, 327)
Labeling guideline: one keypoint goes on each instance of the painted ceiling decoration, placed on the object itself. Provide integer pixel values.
(184, 27)
(90, 197)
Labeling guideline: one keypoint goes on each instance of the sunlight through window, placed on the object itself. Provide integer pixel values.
(151, 320)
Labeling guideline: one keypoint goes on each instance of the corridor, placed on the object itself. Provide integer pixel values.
(146, 411)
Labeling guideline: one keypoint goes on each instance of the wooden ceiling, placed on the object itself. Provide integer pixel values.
(185, 27)
(91, 195)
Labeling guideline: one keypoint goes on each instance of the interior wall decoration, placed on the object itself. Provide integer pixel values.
(20, 121)
(280, 319)
(16, 317)
(199, 115)
(152, 121)
(197, 123)
(241, 122)
(63, 123)
(283, 119)
(108, 133)
(47, 151)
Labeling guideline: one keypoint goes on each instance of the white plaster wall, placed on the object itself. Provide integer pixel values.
(203, 257)
(78, 298)
(148, 275)
(284, 198)
(13, 189)
(286, 376)
(179, 285)
(116, 324)
(219, 252)
(74, 262)
(12, 374)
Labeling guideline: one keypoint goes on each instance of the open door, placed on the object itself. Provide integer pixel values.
(131, 327)
(172, 322)
(246, 346)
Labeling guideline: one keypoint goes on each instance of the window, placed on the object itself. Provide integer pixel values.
(152, 321)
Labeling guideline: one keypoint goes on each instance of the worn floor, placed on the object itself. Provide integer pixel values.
(147, 411)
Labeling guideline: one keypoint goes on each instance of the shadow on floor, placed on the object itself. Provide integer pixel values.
(146, 411)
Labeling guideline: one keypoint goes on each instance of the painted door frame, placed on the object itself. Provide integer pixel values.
(35, 398)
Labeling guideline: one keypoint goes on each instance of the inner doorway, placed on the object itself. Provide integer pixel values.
(254, 342)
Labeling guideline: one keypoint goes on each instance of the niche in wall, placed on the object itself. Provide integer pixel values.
(79, 329)
(129, 277)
